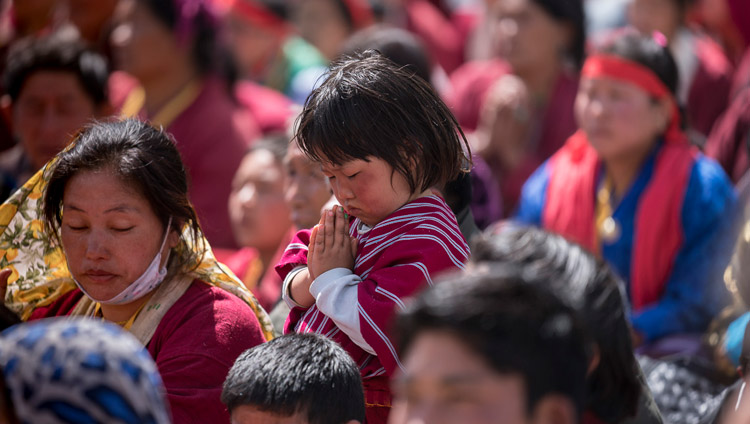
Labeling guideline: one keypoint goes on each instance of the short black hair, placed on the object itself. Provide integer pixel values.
(142, 156)
(368, 106)
(516, 327)
(590, 287)
(644, 50)
(297, 373)
(57, 52)
(570, 12)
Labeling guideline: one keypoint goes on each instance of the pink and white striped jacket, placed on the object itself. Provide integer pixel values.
(394, 261)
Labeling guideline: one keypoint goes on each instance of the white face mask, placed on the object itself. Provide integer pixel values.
(148, 281)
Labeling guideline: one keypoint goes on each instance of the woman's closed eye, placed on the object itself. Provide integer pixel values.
(123, 229)
(76, 227)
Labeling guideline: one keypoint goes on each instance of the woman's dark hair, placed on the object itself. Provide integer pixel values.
(590, 287)
(367, 106)
(569, 12)
(202, 29)
(143, 157)
(644, 50)
(56, 52)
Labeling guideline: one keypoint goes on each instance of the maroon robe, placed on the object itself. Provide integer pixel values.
(729, 141)
(471, 84)
(212, 135)
(709, 90)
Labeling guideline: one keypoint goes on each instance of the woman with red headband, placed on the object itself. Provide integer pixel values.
(630, 187)
(268, 51)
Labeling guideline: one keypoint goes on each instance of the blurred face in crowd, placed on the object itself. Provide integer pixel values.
(253, 46)
(143, 46)
(446, 382)
(306, 188)
(51, 107)
(526, 36)
(109, 232)
(648, 16)
(320, 22)
(606, 109)
(257, 209)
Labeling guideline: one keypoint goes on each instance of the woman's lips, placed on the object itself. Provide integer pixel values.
(99, 276)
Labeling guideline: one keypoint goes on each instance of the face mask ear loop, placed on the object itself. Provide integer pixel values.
(166, 236)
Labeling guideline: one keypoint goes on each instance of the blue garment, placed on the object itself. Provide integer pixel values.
(735, 338)
(81, 370)
(694, 293)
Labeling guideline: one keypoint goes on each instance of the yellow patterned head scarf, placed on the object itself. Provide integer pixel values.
(39, 271)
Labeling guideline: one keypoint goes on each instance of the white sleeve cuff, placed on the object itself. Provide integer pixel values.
(285, 287)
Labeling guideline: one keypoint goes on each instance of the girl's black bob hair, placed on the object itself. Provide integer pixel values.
(369, 107)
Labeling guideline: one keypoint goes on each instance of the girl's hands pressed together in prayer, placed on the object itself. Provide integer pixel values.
(330, 244)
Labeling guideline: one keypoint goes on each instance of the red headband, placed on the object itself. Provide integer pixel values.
(258, 15)
(610, 66)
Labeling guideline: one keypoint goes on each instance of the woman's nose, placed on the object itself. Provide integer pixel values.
(96, 246)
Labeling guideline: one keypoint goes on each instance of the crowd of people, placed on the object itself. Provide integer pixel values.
(374, 211)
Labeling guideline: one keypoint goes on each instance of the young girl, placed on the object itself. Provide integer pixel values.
(383, 138)
(629, 186)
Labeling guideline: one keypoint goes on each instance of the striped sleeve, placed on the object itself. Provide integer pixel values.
(413, 259)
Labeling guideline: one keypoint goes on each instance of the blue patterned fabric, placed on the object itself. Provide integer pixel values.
(80, 371)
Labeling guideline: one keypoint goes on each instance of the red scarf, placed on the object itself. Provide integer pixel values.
(570, 204)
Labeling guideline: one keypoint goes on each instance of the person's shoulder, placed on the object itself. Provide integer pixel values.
(62, 306)
(207, 308)
(710, 195)
(709, 177)
(428, 209)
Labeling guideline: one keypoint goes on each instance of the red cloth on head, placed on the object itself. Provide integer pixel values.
(360, 12)
(570, 204)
